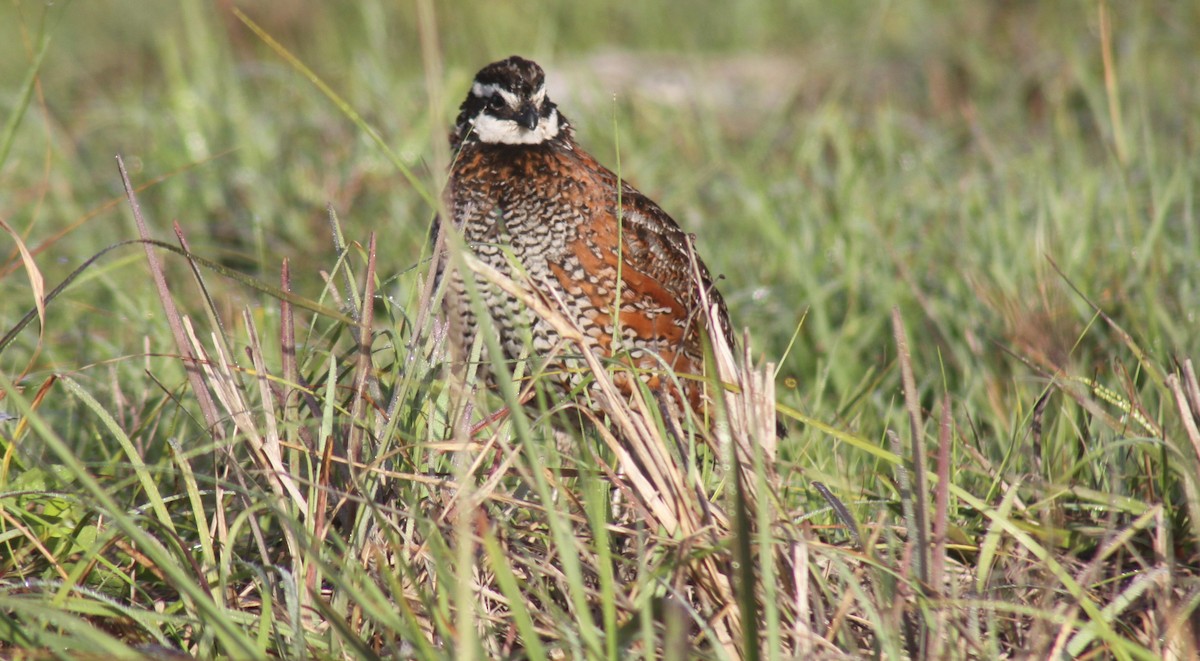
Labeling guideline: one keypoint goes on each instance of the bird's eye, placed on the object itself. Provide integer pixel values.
(495, 102)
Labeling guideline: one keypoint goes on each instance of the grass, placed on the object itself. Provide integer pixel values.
(963, 240)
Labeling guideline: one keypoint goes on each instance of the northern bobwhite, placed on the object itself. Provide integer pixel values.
(534, 205)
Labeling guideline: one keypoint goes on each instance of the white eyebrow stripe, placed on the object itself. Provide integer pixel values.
(539, 96)
(486, 91)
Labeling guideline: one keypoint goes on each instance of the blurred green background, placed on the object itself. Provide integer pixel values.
(834, 159)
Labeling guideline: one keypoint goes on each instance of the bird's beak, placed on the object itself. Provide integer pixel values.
(528, 116)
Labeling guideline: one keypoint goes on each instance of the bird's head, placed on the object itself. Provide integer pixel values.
(507, 105)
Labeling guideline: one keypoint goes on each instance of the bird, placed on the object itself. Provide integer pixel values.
(530, 202)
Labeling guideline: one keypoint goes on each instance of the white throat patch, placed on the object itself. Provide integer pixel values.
(495, 131)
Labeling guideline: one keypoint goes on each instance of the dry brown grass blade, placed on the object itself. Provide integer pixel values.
(941, 505)
(1191, 387)
(941, 524)
(204, 398)
(362, 369)
(23, 422)
(287, 337)
(919, 483)
(37, 284)
(1179, 393)
(917, 431)
(287, 348)
(272, 447)
(321, 512)
(802, 635)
